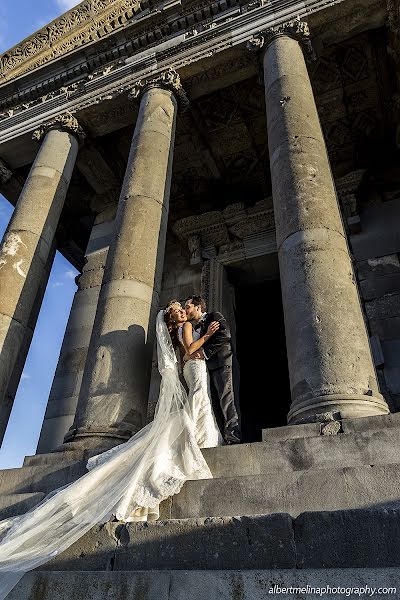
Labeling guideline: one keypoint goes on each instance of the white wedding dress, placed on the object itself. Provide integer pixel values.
(196, 376)
(128, 481)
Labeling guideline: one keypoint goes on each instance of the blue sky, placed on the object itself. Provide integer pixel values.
(18, 19)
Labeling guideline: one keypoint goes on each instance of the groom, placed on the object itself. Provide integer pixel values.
(217, 351)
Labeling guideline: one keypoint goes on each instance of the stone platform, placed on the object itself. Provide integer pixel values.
(204, 585)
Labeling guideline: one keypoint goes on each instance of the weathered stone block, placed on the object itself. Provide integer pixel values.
(293, 493)
(376, 287)
(12, 505)
(385, 329)
(348, 539)
(95, 551)
(383, 308)
(377, 267)
(257, 542)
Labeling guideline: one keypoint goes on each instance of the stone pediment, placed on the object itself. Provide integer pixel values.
(86, 23)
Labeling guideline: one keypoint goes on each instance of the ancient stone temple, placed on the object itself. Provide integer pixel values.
(247, 151)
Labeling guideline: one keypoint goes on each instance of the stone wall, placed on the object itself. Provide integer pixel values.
(376, 252)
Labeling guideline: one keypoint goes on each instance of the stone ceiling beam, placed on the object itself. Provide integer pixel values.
(96, 170)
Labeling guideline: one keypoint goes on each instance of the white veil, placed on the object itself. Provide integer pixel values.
(128, 481)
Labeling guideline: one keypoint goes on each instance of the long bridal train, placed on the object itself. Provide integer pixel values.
(128, 481)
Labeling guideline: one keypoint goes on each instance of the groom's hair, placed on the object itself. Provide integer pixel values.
(197, 301)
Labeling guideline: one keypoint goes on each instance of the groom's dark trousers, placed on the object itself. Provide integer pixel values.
(218, 353)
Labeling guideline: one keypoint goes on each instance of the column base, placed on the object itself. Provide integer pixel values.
(349, 406)
(96, 438)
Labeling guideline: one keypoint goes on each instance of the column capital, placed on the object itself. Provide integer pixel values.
(66, 122)
(5, 173)
(296, 29)
(168, 79)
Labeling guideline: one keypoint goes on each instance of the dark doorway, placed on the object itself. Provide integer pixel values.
(261, 351)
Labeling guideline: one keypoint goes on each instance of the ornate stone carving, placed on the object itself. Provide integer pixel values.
(84, 24)
(256, 4)
(66, 91)
(5, 173)
(66, 122)
(226, 229)
(393, 10)
(296, 29)
(211, 228)
(347, 187)
(168, 79)
(194, 244)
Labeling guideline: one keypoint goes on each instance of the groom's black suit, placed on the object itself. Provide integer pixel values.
(218, 352)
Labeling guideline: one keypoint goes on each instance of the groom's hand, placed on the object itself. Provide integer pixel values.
(195, 355)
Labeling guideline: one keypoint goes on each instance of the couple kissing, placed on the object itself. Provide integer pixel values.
(204, 343)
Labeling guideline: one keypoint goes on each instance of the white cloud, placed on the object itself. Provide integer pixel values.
(57, 284)
(69, 274)
(67, 4)
(25, 376)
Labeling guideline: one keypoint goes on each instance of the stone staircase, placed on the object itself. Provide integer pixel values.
(295, 469)
(314, 510)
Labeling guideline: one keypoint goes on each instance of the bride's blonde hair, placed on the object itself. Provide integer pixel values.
(172, 325)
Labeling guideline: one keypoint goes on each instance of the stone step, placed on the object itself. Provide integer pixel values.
(284, 491)
(18, 504)
(52, 458)
(43, 478)
(301, 454)
(206, 585)
(338, 539)
(359, 425)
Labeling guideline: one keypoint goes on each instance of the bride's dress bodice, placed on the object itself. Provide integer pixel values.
(199, 399)
(196, 334)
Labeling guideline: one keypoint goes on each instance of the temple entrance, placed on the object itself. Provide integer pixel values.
(261, 352)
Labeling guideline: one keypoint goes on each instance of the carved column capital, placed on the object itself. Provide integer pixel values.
(5, 173)
(66, 122)
(168, 79)
(295, 29)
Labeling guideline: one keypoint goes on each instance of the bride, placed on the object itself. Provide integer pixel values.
(189, 342)
(132, 479)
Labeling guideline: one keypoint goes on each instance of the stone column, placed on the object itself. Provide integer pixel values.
(330, 364)
(113, 397)
(64, 393)
(28, 241)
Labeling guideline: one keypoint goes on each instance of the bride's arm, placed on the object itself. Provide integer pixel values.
(187, 336)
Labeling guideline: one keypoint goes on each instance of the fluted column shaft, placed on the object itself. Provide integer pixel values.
(26, 246)
(329, 357)
(114, 391)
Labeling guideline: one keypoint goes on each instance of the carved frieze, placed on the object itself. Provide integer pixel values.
(393, 10)
(225, 230)
(87, 22)
(5, 173)
(66, 122)
(210, 227)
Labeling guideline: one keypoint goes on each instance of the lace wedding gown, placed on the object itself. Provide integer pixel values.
(196, 376)
(128, 481)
